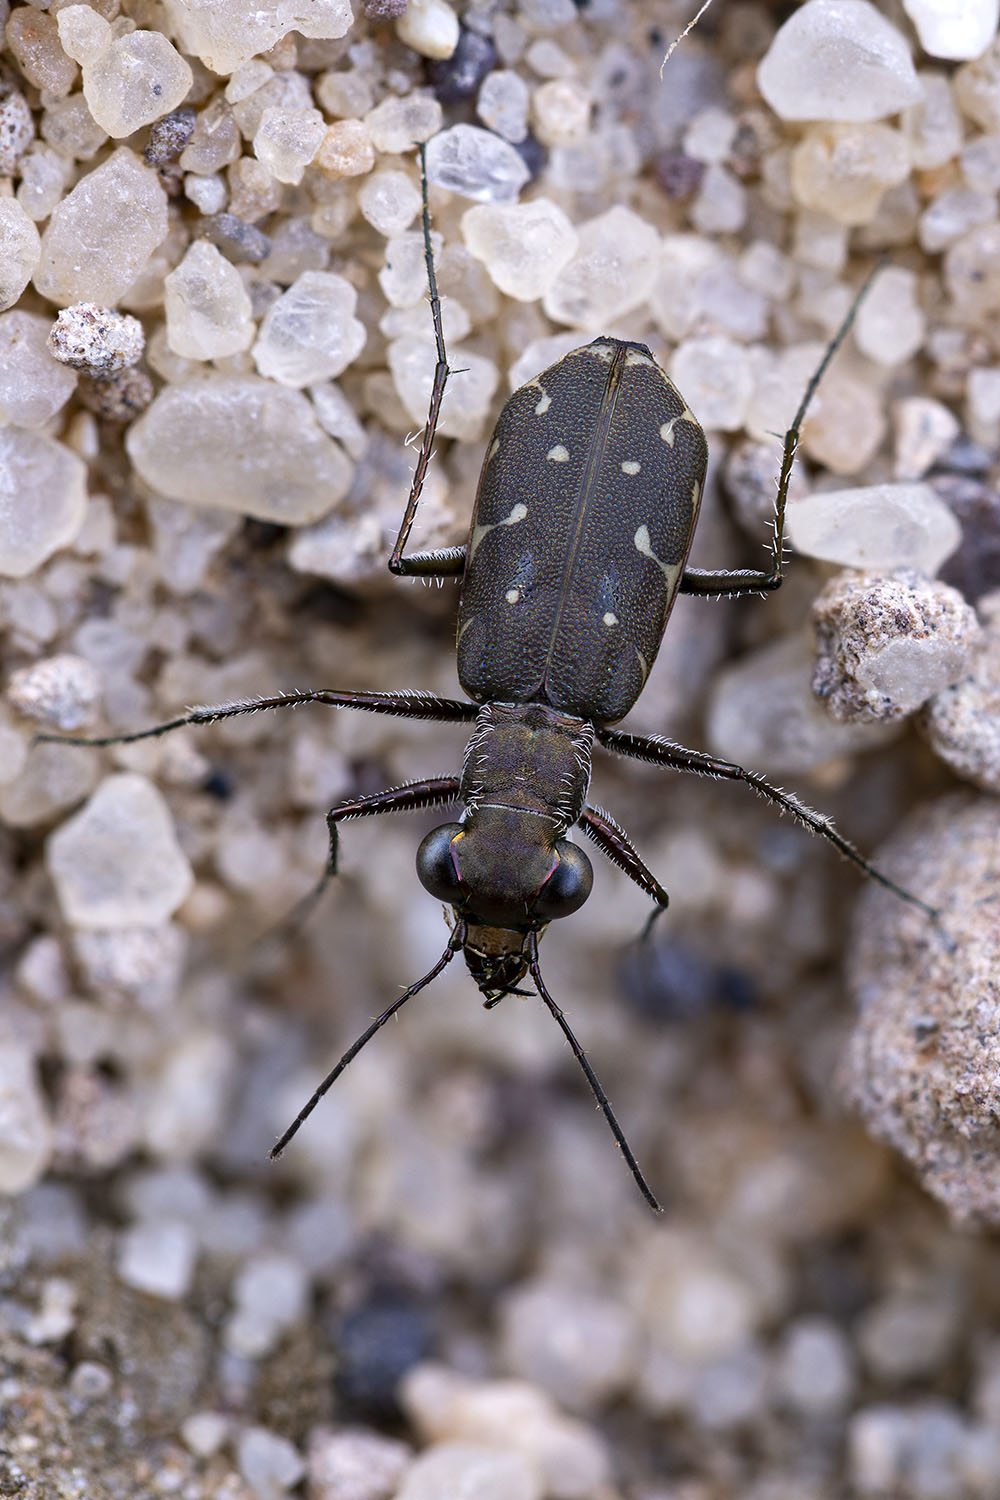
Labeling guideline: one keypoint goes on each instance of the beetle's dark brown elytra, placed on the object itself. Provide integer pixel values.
(578, 546)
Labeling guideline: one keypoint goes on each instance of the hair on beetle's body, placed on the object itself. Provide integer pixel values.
(583, 521)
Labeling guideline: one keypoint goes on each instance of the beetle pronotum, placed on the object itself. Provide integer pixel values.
(578, 544)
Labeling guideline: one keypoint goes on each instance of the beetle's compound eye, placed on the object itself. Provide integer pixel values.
(569, 885)
(437, 866)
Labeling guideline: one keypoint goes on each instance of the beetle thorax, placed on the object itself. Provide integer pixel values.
(527, 758)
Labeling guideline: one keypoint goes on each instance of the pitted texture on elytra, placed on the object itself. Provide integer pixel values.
(605, 507)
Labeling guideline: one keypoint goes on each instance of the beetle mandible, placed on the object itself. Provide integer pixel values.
(583, 520)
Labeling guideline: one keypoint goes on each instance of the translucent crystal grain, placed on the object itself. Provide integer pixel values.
(466, 401)
(311, 332)
(117, 862)
(33, 385)
(717, 378)
(972, 272)
(345, 96)
(346, 150)
(977, 88)
(215, 141)
(612, 272)
(287, 140)
(890, 324)
(398, 124)
(253, 192)
(25, 1132)
(97, 340)
(225, 34)
(54, 778)
(119, 211)
(561, 112)
(845, 425)
(83, 32)
(475, 163)
(430, 27)
(71, 129)
(880, 526)
(933, 127)
(843, 170)
(503, 103)
(43, 499)
(924, 431)
(720, 204)
(59, 692)
(838, 60)
(208, 194)
(389, 201)
(43, 182)
(269, 1463)
(33, 37)
(240, 443)
(355, 1464)
(524, 246)
(403, 278)
(956, 32)
(952, 214)
(207, 306)
(158, 1257)
(136, 79)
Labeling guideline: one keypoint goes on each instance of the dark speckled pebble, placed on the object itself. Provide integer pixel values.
(458, 77)
(169, 136)
(375, 1343)
(242, 243)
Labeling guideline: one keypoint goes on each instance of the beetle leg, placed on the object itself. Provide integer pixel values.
(664, 752)
(614, 842)
(749, 581)
(405, 704)
(432, 792)
(450, 562)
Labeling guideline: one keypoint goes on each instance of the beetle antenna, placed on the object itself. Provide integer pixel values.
(592, 1078)
(455, 942)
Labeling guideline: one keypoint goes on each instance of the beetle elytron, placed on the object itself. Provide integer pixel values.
(583, 521)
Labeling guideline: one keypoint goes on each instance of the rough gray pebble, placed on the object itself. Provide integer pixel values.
(922, 1063)
(962, 723)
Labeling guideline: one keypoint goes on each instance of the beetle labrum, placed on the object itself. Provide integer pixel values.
(578, 545)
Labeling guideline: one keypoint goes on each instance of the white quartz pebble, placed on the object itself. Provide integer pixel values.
(43, 499)
(133, 80)
(717, 378)
(33, 385)
(429, 27)
(399, 124)
(838, 60)
(20, 250)
(955, 29)
(157, 1257)
(467, 398)
(207, 306)
(240, 443)
(119, 212)
(117, 863)
(503, 104)
(468, 1469)
(476, 163)
(25, 1133)
(389, 201)
(227, 33)
(612, 272)
(877, 526)
(270, 1464)
(310, 333)
(890, 323)
(523, 246)
(355, 1464)
(286, 141)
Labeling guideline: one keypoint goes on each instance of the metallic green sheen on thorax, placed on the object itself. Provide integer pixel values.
(583, 520)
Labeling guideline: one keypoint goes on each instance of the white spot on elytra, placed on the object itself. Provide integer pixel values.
(545, 401)
(631, 466)
(670, 571)
(636, 357)
(602, 351)
(558, 454)
(494, 448)
(643, 664)
(512, 595)
(667, 430)
(609, 618)
(517, 514)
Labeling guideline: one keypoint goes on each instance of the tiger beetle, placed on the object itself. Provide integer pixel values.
(581, 528)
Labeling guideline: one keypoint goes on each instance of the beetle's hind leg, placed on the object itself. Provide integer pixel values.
(450, 561)
(664, 752)
(751, 581)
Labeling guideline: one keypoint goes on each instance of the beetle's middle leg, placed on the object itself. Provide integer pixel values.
(664, 752)
(449, 562)
(711, 584)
